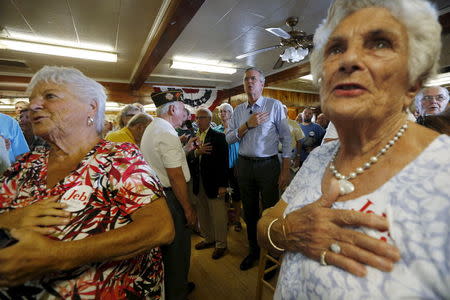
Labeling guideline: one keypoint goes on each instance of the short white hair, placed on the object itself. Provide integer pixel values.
(164, 109)
(82, 86)
(418, 16)
(225, 106)
(207, 111)
(419, 96)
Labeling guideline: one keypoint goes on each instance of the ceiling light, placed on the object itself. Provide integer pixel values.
(6, 107)
(111, 104)
(307, 77)
(293, 55)
(440, 79)
(213, 62)
(41, 48)
(202, 67)
(196, 60)
(52, 41)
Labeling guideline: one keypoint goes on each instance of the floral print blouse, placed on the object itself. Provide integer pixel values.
(109, 184)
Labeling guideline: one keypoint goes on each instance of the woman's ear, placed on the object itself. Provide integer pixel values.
(411, 94)
(93, 106)
(414, 89)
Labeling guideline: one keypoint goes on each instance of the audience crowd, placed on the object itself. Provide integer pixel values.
(125, 196)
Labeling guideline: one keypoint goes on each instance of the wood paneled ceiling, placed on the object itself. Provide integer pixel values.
(147, 34)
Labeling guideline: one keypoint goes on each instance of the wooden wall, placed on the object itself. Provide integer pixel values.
(121, 93)
(295, 101)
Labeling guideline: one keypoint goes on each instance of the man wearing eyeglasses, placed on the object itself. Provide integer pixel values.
(431, 101)
(209, 167)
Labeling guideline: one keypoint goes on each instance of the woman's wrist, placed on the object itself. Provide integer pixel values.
(275, 234)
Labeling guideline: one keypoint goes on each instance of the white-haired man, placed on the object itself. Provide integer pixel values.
(162, 149)
(431, 101)
(260, 125)
(209, 165)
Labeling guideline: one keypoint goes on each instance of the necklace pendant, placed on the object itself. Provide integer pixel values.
(345, 187)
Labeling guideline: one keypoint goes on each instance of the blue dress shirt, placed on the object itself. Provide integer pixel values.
(10, 129)
(261, 141)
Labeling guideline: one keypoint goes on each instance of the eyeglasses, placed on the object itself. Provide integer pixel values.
(202, 117)
(439, 98)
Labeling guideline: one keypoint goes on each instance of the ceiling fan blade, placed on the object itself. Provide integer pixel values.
(257, 51)
(278, 64)
(279, 32)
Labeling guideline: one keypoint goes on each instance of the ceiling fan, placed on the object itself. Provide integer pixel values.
(295, 42)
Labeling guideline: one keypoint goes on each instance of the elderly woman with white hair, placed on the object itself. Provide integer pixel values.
(128, 112)
(84, 217)
(368, 216)
(225, 114)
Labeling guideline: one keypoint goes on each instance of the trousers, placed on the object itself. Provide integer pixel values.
(258, 179)
(212, 215)
(177, 255)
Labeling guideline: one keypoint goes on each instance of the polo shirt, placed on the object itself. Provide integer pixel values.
(162, 149)
(122, 135)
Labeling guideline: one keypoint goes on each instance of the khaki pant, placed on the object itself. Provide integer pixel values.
(212, 215)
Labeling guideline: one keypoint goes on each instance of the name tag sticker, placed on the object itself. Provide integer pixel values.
(77, 198)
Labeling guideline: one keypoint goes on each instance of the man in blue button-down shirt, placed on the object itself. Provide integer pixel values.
(259, 125)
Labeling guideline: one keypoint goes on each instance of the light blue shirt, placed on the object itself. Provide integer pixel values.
(10, 129)
(233, 149)
(261, 141)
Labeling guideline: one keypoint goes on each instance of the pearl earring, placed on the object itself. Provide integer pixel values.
(90, 121)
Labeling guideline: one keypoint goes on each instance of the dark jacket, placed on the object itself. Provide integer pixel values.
(212, 167)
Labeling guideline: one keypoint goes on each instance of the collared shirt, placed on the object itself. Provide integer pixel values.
(202, 135)
(261, 141)
(10, 129)
(296, 133)
(233, 149)
(162, 149)
(330, 133)
(122, 135)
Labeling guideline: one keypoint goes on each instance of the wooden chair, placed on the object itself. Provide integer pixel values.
(264, 257)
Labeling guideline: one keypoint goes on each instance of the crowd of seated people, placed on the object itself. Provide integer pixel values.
(94, 208)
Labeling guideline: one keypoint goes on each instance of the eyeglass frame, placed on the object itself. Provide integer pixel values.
(428, 98)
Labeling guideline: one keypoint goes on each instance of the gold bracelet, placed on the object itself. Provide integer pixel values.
(268, 236)
(284, 228)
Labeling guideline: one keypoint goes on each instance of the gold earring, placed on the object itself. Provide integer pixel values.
(90, 121)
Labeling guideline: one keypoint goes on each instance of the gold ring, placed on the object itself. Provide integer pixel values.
(323, 262)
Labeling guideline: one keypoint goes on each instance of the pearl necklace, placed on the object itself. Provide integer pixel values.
(345, 186)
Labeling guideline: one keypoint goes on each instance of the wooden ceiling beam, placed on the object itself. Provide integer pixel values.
(15, 79)
(179, 14)
(116, 91)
